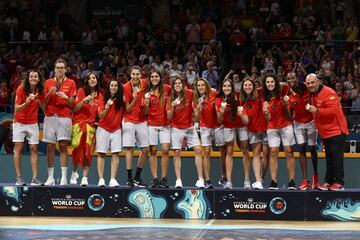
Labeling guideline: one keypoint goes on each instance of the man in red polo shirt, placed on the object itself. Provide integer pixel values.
(332, 126)
(59, 98)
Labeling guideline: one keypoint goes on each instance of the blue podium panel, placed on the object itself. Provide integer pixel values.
(15, 201)
(184, 203)
(339, 206)
(262, 204)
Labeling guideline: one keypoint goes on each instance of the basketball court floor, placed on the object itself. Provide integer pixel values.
(63, 228)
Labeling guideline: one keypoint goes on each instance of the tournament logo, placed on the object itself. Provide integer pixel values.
(68, 203)
(96, 202)
(250, 206)
(278, 205)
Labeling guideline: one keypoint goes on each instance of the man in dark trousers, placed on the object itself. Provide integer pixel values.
(332, 126)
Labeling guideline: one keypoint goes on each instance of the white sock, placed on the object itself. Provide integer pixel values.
(51, 172)
(64, 172)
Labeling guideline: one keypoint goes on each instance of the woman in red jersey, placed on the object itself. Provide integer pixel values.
(108, 132)
(180, 114)
(304, 127)
(279, 128)
(251, 115)
(87, 102)
(29, 95)
(226, 105)
(158, 125)
(210, 129)
(134, 126)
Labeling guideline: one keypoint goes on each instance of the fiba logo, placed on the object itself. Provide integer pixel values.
(278, 205)
(96, 202)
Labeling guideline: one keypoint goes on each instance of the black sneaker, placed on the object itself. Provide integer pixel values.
(155, 183)
(222, 181)
(130, 182)
(208, 185)
(273, 185)
(291, 185)
(139, 183)
(163, 183)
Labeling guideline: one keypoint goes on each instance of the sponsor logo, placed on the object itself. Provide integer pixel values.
(250, 206)
(68, 203)
(278, 205)
(96, 202)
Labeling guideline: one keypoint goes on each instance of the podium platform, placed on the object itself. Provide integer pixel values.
(186, 203)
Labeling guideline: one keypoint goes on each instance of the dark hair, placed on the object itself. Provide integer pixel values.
(40, 84)
(118, 95)
(231, 99)
(274, 93)
(299, 88)
(86, 86)
(182, 93)
(159, 86)
(243, 95)
(60, 60)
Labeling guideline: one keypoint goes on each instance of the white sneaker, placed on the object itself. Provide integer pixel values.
(228, 185)
(113, 183)
(101, 182)
(200, 183)
(84, 182)
(257, 185)
(74, 177)
(50, 182)
(247, 184)
(178, 183)
(63, 181)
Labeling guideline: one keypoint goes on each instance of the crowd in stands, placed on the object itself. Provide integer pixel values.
(185, 38)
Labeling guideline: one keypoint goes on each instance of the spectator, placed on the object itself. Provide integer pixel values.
(193, 30)
(210, 74)
(191, 74)
(122, 30)
(158, 66)
(208, 30)
(309, 62)
(5, 94)
(238, 40)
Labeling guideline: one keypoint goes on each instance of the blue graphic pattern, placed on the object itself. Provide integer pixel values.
(194, 205)
(147, 204)
(342, 209)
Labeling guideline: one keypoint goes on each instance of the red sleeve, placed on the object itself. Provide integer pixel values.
(217, 104)
(42, 97)
(46, 87)
(20, 95)
(284, 90)
(72, 93)
(127, 93)
(101, 106)
(168, 104)
(330, 106)
(80, 96)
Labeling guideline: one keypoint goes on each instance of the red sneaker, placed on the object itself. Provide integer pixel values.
(304, 185)
(315, 182)
(324, 187)
(336, 187)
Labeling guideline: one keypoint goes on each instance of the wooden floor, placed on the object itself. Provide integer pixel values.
(63, 221)
(68, 228)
